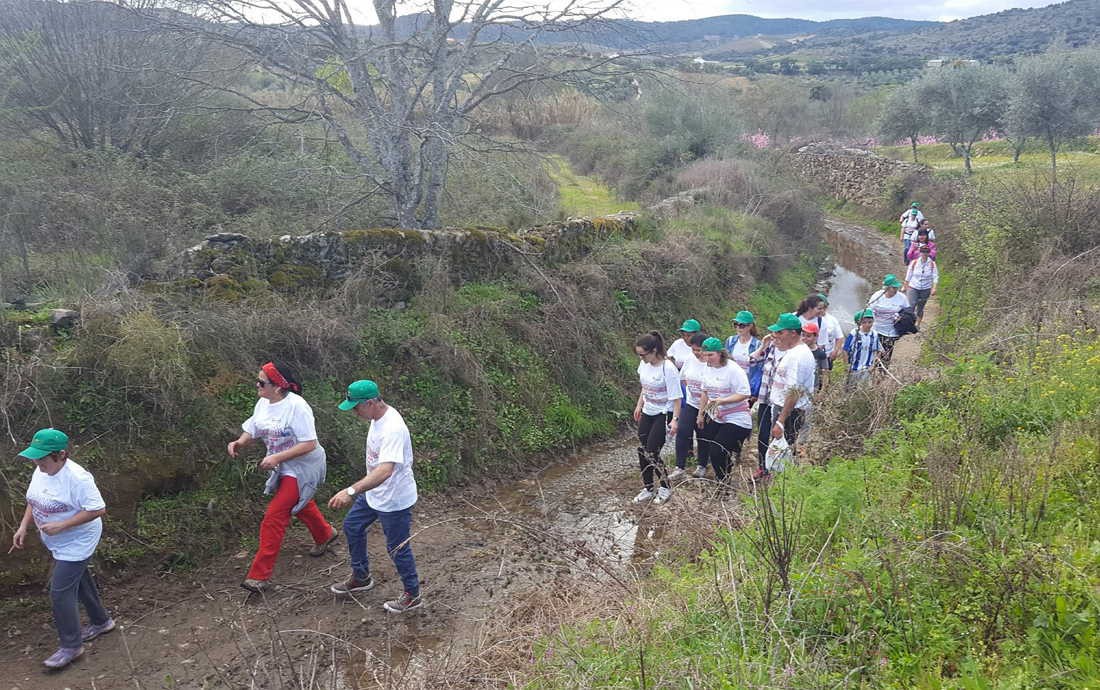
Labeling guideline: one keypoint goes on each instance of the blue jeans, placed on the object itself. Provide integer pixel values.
(396, 526)
(72, 583)
(905, 251)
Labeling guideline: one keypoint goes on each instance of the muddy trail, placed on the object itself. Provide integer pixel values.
(484, 554)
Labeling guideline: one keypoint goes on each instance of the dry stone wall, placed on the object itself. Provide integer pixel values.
(856, 175)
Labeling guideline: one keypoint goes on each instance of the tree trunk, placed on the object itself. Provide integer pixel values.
(436, 158)
(1053, 145)
(966, 160)
(913, 141)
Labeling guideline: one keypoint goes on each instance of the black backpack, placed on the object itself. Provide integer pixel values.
(906, 322)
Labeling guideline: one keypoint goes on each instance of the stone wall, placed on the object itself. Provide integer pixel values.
(856, 175)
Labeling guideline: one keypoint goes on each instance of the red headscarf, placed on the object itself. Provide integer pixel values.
(278, 379)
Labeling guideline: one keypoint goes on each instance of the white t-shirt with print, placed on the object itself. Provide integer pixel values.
(388, 440)
(281, 425)
(691, 374)
(660, 386)
(829, 331)
(886, 310)
(57, 498)
(723, 381)
(740, 353)
(681, 352)
(796, 369)
(910, 223)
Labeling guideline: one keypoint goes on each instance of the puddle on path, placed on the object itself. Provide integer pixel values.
(848, 293)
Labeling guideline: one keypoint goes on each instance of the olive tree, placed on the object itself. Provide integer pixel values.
(965, 102)
(402, 95)
(903, 116)
(1054, 98)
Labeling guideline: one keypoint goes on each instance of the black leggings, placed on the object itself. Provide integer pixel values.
(886, 343)
(651, 439)
(718, 443)
(685, 434)
(764, 438)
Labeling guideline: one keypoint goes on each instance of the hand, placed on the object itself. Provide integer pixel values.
(340, 500)
(768, 338)
(777, 431)
(232, 449)
(52, 528)
(672, 426)
(269, 463)
(637, 414)
(933, 293)
(17, 539)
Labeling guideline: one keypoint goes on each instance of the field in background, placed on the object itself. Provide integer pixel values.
(581, 195)
(1081, 160)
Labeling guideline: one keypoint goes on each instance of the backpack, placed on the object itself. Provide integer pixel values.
(906, 322)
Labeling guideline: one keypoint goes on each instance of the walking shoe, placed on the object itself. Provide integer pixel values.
(700, 472)
(407, 602)
(256, 586)
(352, 585)
(90, 632)
(643, 496)
(663, 494)
(676, 473)
(63, 657)
(319, 549)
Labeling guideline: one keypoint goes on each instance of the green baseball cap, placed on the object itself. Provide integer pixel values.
(744, 316)
(824, 298)
(916, 204)
(45, 441)
(786, 322)
(712, 345)
(864, 314)
(360, 391)
(690, 326)
(891, 280)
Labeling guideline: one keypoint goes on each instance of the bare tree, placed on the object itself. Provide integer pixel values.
(402, 94)
(93, 75)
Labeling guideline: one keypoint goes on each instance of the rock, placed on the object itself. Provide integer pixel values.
(227, 238)
(64, 318)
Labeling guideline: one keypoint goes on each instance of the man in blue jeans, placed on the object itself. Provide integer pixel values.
(387, 494)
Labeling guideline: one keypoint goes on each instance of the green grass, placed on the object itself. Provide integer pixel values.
(1080, 159)
(580, 195)
(769, 300)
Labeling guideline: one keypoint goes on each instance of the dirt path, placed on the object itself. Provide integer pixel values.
(483, 553)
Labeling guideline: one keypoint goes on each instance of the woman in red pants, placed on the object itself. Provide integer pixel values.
(283, 420)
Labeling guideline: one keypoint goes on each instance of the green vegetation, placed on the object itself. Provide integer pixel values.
(994, 159)
(580, 195)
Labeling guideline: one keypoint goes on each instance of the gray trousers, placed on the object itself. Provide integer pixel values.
(72, 583)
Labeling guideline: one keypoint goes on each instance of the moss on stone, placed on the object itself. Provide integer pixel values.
(296, 276)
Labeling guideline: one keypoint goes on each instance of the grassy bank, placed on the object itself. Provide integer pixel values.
(1080, 159)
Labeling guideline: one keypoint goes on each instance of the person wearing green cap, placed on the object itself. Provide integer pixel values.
(692, 386)
(829, 338)
(658, 406)
(65, 505)
(742, 344)
(861, 347)
(680, 350)
(886, 304)
(789, 381)
(386, 494)
(726, 422)
(296, 465)
(910, 221)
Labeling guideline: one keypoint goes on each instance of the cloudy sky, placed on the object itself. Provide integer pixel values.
(942, 10)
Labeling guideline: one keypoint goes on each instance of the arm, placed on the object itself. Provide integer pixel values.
(298, 449)
(21, 532)
(80, 518)
(764, 343)
(374, 479)
(638, 408)
(788, 405)
(675, 416)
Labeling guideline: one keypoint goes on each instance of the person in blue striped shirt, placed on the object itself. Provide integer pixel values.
(861, 347)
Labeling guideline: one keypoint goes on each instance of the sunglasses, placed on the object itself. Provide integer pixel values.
(260, 383)
(643, 354)
(742, 325)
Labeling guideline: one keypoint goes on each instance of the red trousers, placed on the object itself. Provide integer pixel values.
(277, 519)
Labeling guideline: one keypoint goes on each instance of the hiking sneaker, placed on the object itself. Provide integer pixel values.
(63, 657)
(676, 473)
(700, 472)
(318, 550)
(643, 496)
(352, 585)
(256, 586)
(407, 602)
(90, 632)
(663, 494)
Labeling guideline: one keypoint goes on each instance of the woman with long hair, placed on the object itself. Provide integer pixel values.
(658, 406)
(725, 421)
(885, 305)
(283, 420)
(741, 346)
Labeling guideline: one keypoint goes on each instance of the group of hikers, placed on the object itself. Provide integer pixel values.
(700, 389)
(64, 503)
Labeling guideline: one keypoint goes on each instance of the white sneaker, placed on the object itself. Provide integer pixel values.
(643, 496)
(700, 472)
(663, 494)
(676, 473)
